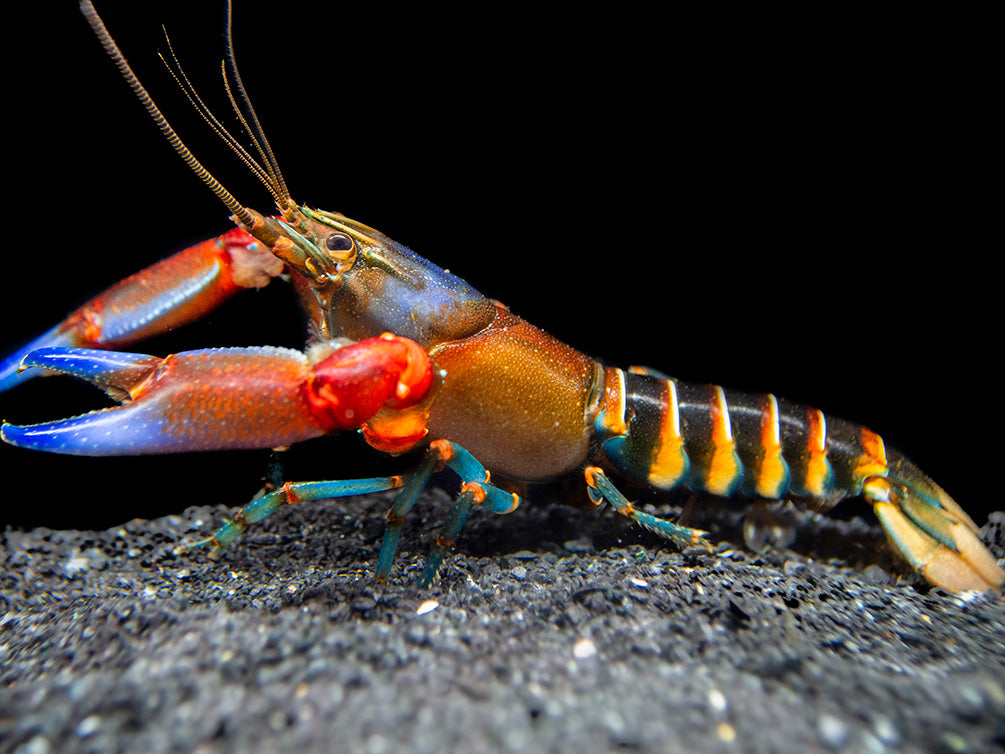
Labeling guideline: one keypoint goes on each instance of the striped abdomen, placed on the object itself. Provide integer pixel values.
(666, 433)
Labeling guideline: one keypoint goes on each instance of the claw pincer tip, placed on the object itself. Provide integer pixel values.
(12, 368)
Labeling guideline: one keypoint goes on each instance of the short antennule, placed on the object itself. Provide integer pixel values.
(243, 215)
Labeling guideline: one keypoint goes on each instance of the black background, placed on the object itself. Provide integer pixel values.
(799, 207)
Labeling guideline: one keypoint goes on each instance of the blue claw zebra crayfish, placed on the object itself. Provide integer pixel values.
(414, 358)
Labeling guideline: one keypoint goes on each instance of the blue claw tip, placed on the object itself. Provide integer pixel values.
(94, 365)
(12, 372)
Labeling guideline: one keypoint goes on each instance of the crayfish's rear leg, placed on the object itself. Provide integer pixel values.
(601, 488)
(475, 490)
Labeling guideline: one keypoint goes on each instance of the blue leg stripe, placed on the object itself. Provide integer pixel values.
(396, 515)
(456, 519)
(602, 488)
(465, 465)
(268, 504)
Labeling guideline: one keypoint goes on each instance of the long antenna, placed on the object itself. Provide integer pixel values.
(261, 142)
(243, 215)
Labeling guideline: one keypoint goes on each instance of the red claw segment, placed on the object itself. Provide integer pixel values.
(351, 385)
(172, 292)
(226, 397)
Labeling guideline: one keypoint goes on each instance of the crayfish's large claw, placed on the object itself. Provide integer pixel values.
(228, 397)
(198, 400)
(930, 529)
(172, 292)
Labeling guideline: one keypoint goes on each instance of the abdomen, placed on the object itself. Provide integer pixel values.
(710, 439)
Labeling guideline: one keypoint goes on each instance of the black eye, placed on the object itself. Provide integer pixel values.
(338, 242)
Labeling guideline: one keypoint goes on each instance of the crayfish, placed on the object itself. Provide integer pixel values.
(414, 358)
